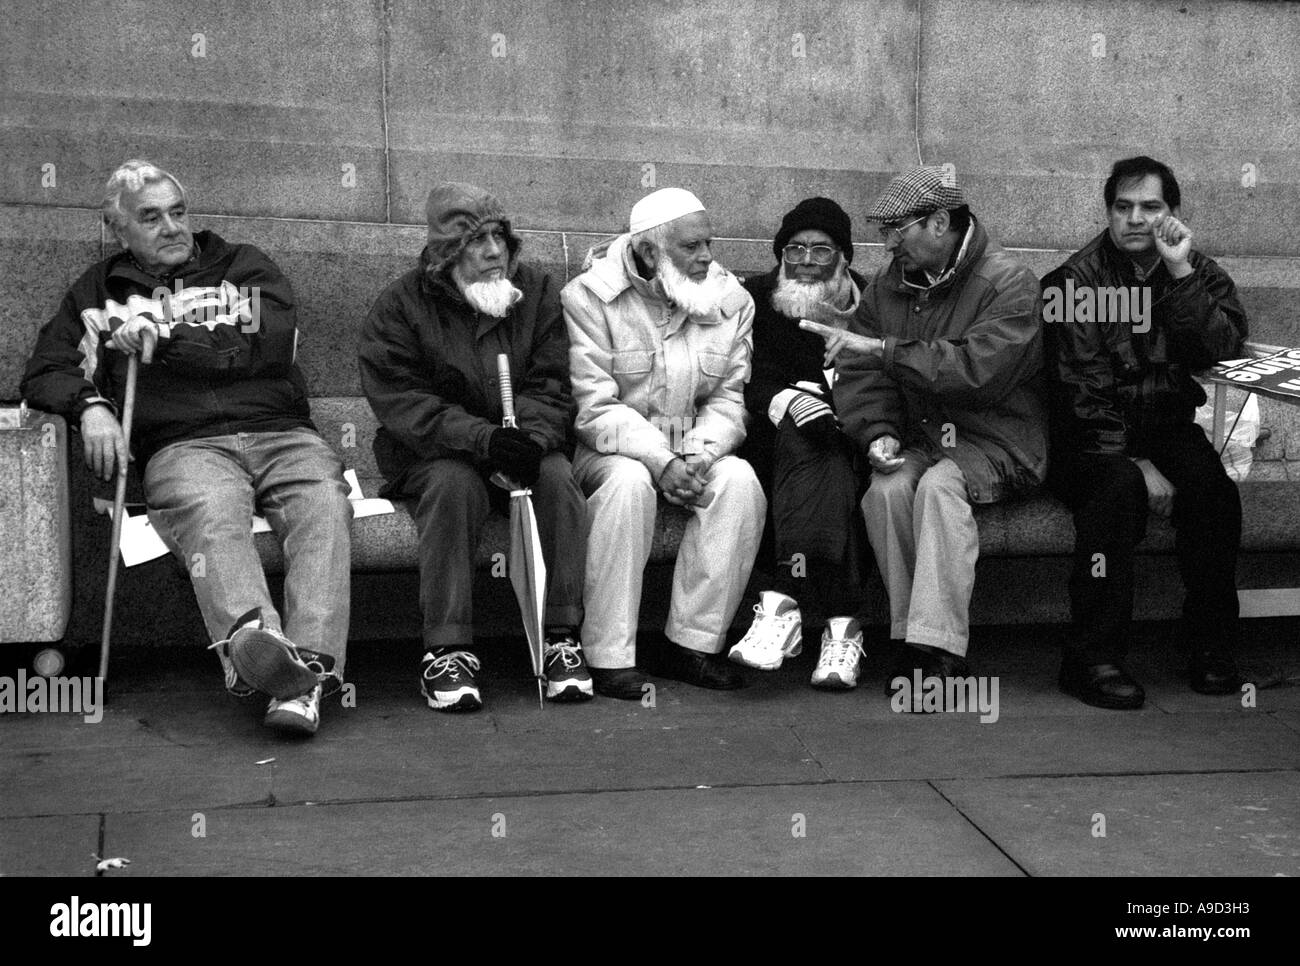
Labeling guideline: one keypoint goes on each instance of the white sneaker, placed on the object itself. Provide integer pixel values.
(233, 685)
(837, 667)
(300, 715)
(777, 633)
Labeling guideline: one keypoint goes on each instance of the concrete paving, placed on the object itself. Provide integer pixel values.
(773, 779)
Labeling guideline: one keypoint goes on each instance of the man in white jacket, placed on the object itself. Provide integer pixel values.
(660, 346)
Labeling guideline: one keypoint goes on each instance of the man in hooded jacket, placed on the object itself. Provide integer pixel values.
(429, 368)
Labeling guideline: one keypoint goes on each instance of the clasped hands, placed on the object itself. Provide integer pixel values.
(684, 481)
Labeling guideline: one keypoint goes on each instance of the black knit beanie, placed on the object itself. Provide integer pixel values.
(822, 214)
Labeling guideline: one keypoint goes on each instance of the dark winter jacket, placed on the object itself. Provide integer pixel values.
(1112, 385)
(429, 368)
(224, 362)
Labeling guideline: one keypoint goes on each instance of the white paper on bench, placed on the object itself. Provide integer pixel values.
(141, 543)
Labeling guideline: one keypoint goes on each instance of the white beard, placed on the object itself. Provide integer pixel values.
(797, 299)
(493, 297)
(696, 298)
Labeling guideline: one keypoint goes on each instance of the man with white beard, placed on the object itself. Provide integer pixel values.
(429, 368)
(802, 458)
(661, 345)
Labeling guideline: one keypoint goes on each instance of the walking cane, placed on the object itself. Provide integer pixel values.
(119, 502)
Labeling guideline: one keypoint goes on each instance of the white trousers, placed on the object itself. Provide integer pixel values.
(713, 563)
(925, 540)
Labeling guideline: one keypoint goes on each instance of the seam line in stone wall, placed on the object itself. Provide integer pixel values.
(383, 104)
(916, 84)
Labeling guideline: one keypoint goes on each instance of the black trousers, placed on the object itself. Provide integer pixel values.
(1108, 498)
(812, 498)
(453, 500)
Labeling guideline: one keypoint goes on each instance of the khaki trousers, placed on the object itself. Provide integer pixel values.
(923, 533)
(713, 563)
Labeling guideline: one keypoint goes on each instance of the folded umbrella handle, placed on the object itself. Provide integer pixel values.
(507, 390)
(507, 414)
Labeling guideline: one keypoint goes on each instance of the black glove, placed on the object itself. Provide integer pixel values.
(814, 420)
(516, 454)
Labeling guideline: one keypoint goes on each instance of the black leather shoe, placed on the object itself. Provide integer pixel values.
(1101, 685)
(713, 671)
(624, 683)
(932, 662)
(1213, 673)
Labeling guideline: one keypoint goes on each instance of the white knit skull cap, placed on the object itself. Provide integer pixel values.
(662, 206)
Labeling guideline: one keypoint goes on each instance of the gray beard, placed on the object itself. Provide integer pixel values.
(797, 299)
(493, 297)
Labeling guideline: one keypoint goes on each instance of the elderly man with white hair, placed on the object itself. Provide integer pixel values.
(660, 353)
(221, 429)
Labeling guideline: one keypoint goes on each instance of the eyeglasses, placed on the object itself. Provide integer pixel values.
(894, 233)
(821, 254)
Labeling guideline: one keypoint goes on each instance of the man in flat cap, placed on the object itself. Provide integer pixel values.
(795, 444)
(661, 345)
(429, 368)
(942, 388)
(1124, 437)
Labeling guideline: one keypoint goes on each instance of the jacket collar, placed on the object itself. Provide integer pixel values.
(1120, 262)
(973, 248)
(614, 272)
(206, 245)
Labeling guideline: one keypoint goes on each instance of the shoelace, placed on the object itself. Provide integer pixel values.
(773, 624)
(837, 651)
(453, 664)
(568, 652)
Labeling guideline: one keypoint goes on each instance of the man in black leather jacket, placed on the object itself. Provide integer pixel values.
(1130, 317)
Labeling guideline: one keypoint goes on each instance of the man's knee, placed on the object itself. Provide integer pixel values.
(733, 480)
(1111, 505)
(1209, 496)
(1119, 488)
(556, 473)
(449, 483)
(943, 482)
(887, 490)
(625, 480)
(556, 483)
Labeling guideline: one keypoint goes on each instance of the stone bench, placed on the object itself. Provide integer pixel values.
(1024, 545)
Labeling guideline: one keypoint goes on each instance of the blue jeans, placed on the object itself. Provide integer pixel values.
(202, 494)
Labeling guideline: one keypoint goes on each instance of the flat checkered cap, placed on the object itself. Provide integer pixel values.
(918, 192)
